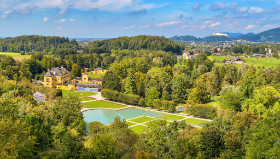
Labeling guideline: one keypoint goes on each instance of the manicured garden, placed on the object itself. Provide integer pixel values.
(76, 93)
(101, 104)
(86, 99)
(172, 117)
(142, 119)
(139, 128)
(129, 123)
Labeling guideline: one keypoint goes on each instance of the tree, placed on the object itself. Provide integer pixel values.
(231, 100)
(76, 71)
(157, 104)
(180, 88)
(95, 127)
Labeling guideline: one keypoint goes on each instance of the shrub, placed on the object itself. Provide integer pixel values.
(202, 110)
(110, 94)
(165, 104)
(168, 105)
(157, 103)
(129, 98)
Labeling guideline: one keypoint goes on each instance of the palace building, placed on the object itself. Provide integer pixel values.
(60, 78)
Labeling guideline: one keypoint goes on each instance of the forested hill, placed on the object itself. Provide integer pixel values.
(272, 35)
(134, 43)
(35, 43)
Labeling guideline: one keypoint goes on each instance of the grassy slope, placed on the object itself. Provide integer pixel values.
(76, 94)
(101, 104)
(14, 54)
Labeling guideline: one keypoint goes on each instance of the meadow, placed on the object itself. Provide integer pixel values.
(16, 56)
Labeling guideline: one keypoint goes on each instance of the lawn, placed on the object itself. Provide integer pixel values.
(129, 123)
(265, 62)
(95, 75)
(151, 122)
(101, 104)
(142, 119)
(195, 121)
(76, 94)
(172, 117)
(15, 54)
(139, 128)
(215, 102)
(86, 99)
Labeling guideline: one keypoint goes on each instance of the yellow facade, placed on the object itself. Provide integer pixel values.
(53, 81)
(86, 80)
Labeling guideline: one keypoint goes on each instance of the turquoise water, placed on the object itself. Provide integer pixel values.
(106, 116)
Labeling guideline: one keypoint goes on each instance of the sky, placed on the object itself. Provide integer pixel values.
(114, 18)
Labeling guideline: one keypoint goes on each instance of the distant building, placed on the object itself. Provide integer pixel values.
(258, 55)
(60, 78)
(187, 55)
(38, 96)
(219, 34)
(235, 60)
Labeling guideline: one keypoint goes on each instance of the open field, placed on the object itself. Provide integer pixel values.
(142, 119)
(139, 128)
(95, 75)
(258, 62)
(101, 104)
(195, 121)
(129, 123)
(16, 56)
(76, 94)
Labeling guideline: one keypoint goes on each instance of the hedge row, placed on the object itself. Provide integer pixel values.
(202, 110)
(136, 100)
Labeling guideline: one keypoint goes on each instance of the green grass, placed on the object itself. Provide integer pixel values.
(14, 54)
(151, 122)
(101, 104)
(95, 75)
(142, 119)
(129, 123)
(139, 128)
(76, 94)
(172, 117)
(220, 58)
(215, 102)
(86, 99)
(195, 121)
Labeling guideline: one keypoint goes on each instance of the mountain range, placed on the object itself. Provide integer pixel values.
(272, 35)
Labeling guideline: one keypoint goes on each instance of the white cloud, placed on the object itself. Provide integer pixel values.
(46, 19)
(208, 21)
(255, 10)
(72, 20)
(144, 26)
(215, 24)
(59, 28)
(203, 26)
(168, 23)
(63, 11)
(128, 27)
(242, 9)
(62, 20)
(250, 27)
(6, 13)
(27, 6)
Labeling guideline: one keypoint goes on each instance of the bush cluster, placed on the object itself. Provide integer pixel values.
(202, 110)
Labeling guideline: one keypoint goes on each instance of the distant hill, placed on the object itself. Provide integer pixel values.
(134, 43)
(236, 35)
(87, 39)
(36, 43)
(189, 38)
(272, 35)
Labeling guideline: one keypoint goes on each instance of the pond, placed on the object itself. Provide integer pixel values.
(106, 116)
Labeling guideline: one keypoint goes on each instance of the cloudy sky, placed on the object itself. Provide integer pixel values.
(113, 18)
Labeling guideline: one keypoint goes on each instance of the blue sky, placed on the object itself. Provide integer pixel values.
(113, 18)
